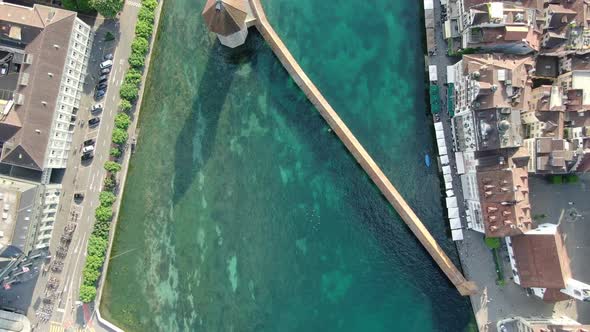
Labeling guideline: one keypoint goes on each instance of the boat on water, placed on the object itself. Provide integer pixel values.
(427, 160)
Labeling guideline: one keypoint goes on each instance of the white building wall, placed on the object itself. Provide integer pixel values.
(68, 99)
(49, 206)
(577, 289)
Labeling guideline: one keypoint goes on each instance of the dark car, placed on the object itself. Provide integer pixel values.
(78, 196)
(108, 56)
(93, 122)
(99, 94)
(102, 86)
(87, 156)
(89, 142)
(104, 80)
(105, 71)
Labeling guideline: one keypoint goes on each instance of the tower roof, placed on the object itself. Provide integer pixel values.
(225, 17)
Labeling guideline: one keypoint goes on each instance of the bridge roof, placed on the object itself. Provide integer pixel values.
(225, 17)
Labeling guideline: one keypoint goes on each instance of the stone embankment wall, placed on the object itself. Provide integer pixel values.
(356, 149)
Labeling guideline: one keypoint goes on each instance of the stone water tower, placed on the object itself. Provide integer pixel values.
(227, 18)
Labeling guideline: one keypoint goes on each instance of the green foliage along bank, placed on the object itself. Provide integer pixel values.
(129, 92)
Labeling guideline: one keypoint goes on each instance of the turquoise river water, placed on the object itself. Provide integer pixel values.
(243, 212)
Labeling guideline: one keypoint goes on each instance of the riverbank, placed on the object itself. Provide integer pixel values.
(243, 210)
(134, 133)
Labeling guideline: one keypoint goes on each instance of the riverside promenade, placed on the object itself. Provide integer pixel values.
(464, 286)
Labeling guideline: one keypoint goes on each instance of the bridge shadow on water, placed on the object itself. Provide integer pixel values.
(191, 152)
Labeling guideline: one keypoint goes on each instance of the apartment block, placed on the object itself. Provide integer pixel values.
(46, 51)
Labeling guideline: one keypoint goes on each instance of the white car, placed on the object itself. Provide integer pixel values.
(96, 108)
(106, 64)
(87, 149)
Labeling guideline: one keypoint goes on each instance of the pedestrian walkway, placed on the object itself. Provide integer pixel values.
(58, 327)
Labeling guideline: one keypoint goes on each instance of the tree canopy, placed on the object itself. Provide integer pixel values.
(87, 293)
(107, 8)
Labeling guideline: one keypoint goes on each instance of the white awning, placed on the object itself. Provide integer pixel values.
(451, 202)
(428, 4)
(446, 170)
(444, 160)
(457, 234)
(442, 151)
(453, 212)
(447, 30)
(460, 162)
(450, 69)
(450, 193)
(448, 178)
(440, 134)
(432, 73)
(455, 223)
(449, 185)
(441, 143)
(438, 126)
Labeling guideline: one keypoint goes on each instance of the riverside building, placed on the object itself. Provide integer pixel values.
(44, 53)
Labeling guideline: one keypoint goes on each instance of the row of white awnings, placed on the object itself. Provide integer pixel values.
(451, 200)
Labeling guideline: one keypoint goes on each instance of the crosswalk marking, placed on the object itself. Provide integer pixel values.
(56, 327)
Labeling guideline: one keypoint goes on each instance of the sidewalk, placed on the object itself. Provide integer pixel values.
(97, 321)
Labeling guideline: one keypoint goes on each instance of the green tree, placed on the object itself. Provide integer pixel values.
(136, 60)
(109, 183)
(120, 136)
(107, 198)
(125, 105)
(90, 276)
(87, 293)
(133, 76)
(144, 29)
(103, 213)
(107, 8)
(115, 152)
(101, 229)
(122, 121)
(140, 45)
(97, 246)
(129, 91)
(146, 15)
(82, 6)
(93, 262)
(112, 167)
(150, 4)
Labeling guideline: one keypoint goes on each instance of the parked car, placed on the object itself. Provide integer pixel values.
(88, 148)
(108, 56)
(103, 77)
(106, 64)
(99, 94)
(89, 142)
(87, 156)
(3, 69)
(105, 71)
(104, 80)
(93, 122)
(102, 86)
(78, 196)
(96, 108)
